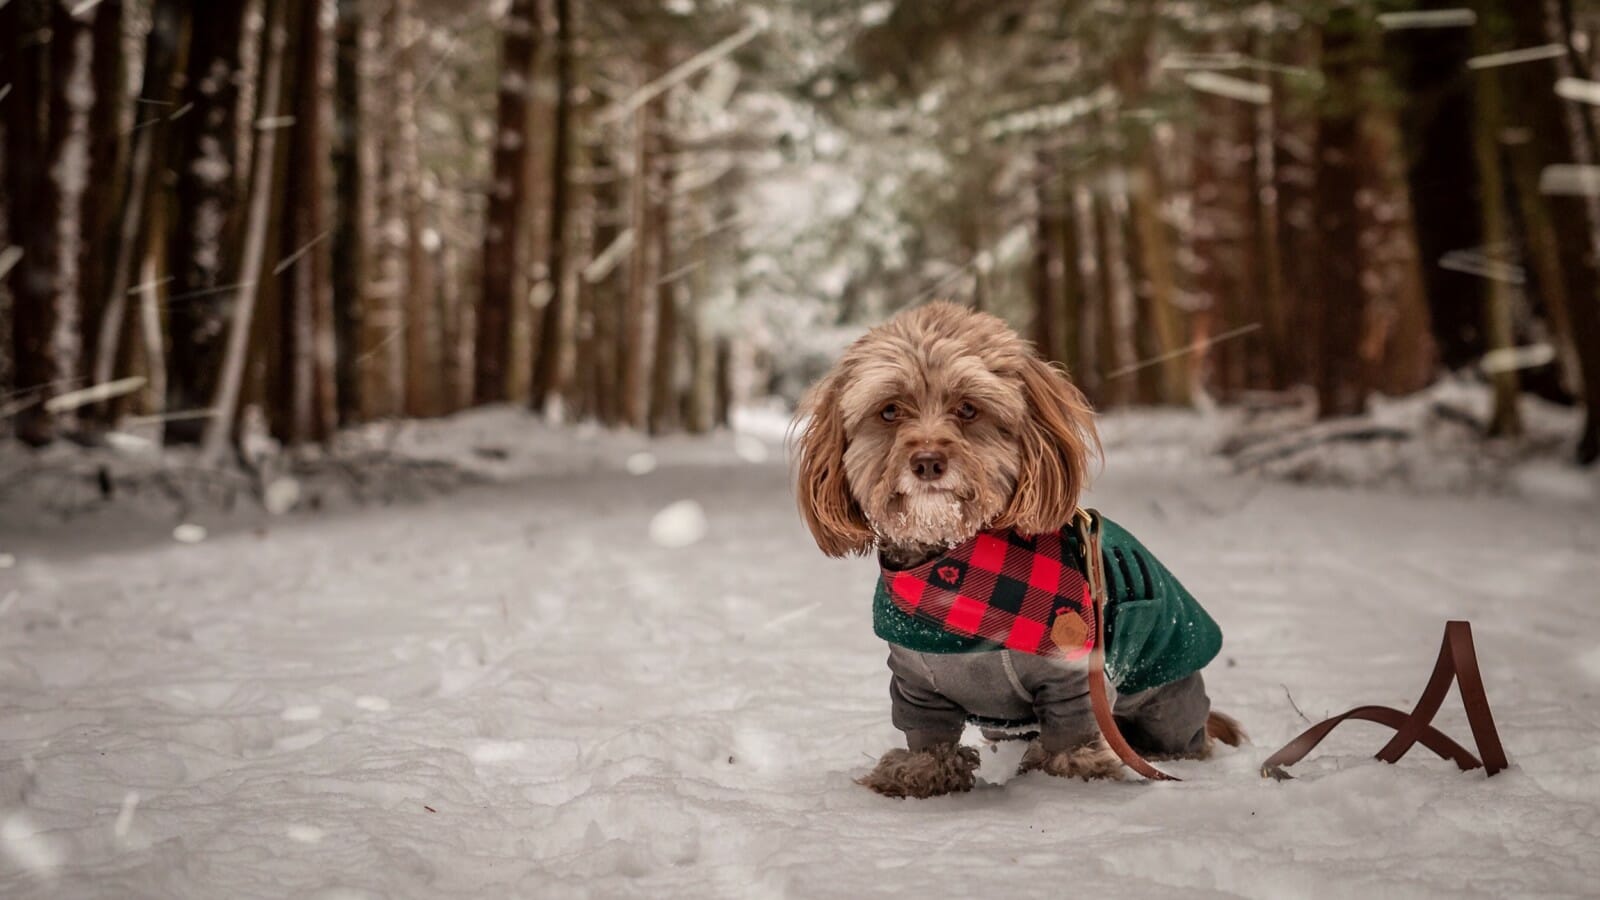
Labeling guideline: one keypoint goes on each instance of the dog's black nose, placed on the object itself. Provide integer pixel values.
(928, 464)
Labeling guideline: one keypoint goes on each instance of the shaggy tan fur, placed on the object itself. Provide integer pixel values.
(942, 769)
(1092, 761)
(1016, 433)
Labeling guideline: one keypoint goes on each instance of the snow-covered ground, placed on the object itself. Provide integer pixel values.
(547, 687)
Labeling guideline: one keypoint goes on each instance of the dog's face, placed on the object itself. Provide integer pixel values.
(935, 425)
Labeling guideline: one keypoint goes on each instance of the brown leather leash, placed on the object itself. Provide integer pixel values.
(1089, 532)
(1458, 663)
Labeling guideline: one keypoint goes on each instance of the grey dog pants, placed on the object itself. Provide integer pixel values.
(934, 693)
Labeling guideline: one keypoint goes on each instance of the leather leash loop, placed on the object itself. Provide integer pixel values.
(1458, 663)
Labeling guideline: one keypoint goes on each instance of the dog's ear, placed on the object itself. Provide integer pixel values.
(1057, 441)
(823, 492)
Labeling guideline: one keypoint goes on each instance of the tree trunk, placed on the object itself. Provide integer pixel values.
(645, 263)
(108, 129)
(550, 374)
(152, 355)
(581, 400)
(385, 336)
(1050, 264)
(205, 223)
(1397, 345)
(604, 290)
(1271, 280)
(1224, 219)
(1160, 285)
(305, 272)
(668, 347)
(350, 173)
(1338, 307)
(1141, 198)
(1124, 349)
(224, 406)
(505, 236)
(725, 396)
(716, 264)
(457, 332)
(71, 95)
(1090, 374)
(39, 370)
(1437, 119)
(1558, 134)
(165, 46)
(422, 350)
(1294, 167)
(1505, 420)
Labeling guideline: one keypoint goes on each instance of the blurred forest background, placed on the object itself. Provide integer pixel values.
(296, 215)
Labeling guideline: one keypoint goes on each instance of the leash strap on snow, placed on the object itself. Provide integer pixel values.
(1458, 662)
(1089, 531)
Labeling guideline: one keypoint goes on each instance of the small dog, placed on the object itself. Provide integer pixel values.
(944, 423)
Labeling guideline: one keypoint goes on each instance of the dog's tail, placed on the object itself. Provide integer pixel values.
(1225, 728)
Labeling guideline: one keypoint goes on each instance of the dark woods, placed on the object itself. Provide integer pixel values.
(263, 221)
(314, 213)
(1231, 198)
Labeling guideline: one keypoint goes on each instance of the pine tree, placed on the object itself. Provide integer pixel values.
(505, 236)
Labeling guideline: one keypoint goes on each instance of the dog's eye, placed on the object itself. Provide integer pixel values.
(966, 412)
(890, 413)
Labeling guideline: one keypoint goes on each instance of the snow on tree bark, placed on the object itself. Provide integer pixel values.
(108, 127)
(1576, 247)
(71, 95)
(169, 23)
(1505, 419)
(422, 380)
(224, 406)
(555, 334)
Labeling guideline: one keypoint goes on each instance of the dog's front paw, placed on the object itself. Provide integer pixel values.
(943, 769)
(1090, 761)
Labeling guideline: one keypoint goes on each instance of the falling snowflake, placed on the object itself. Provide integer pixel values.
(281, 495)
(189, 533)
(678, 525)
(641, 463)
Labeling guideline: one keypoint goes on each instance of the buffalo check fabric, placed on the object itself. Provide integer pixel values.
(1005, 587)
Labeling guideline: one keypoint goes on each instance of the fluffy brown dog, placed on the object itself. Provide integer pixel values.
(936, 425)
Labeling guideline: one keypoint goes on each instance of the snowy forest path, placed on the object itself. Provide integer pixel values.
(515, 690)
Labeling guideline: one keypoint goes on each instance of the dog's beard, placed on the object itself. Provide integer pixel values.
(915, 515)
(912, 519)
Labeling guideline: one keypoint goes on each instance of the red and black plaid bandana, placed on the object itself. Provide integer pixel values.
(1013, 589)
